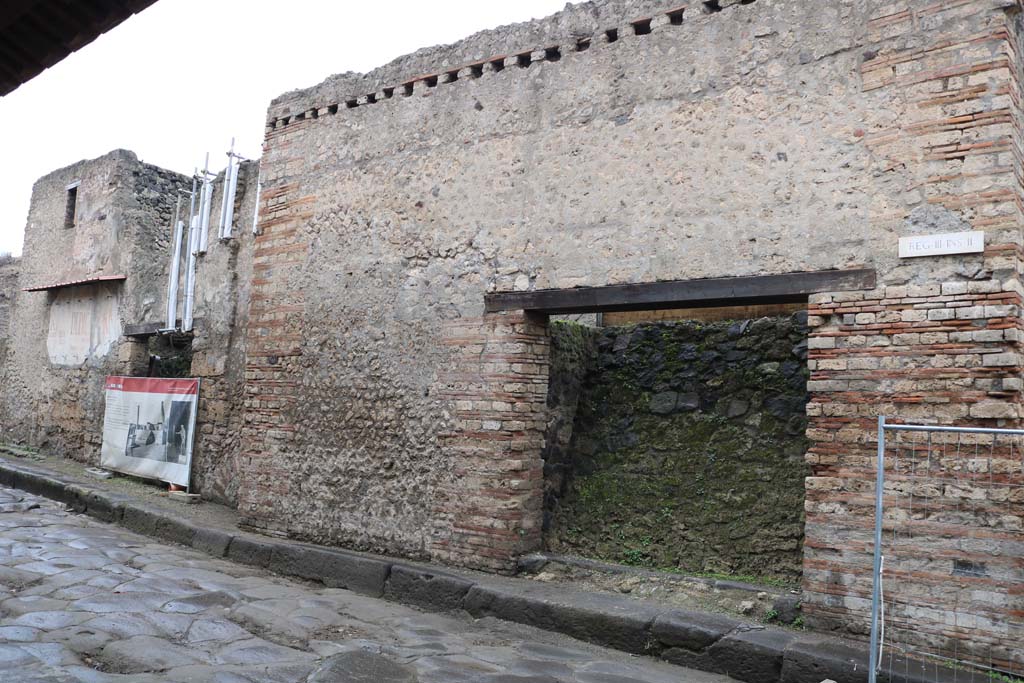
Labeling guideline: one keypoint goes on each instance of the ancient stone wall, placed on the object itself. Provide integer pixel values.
(604, 152)
(53, 396)
(688, 449)
(8, 293)
(939, 343)
(623, 142)
(123, 227)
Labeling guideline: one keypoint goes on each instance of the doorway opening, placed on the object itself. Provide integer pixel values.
(676, 434)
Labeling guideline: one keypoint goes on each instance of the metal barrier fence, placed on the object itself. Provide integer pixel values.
(948, 589)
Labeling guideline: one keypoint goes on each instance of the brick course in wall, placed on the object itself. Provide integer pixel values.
(274, 332)
(940, 344)
(489, 513)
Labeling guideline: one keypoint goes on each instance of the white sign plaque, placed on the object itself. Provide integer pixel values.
(938, 245)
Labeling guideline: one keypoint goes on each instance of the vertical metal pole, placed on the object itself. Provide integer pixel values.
(205, 202)
(877, 583)
(190, 276)
(256, 213)
(193, 239)
(192, 197)
(172, 276)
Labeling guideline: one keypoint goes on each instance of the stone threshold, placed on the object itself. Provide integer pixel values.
(748, 652)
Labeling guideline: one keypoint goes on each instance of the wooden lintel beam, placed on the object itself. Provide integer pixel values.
(726, 291)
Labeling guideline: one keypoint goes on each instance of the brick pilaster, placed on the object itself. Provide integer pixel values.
(490, 513)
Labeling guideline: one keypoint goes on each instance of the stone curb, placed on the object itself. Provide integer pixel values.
(710, 642)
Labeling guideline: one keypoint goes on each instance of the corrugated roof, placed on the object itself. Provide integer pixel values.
(76, 283)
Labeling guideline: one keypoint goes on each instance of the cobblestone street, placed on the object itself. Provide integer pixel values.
(84, 601)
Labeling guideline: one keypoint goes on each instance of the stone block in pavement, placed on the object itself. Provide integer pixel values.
(104, 506)
(251, 551)
(175, 530)
(753, 656)
(359, 666)
(140, 519)
(427, 589)
(604, 620)
(694, 631)
(146, 653)
(814, 659)
(336, 569)
(212, 541)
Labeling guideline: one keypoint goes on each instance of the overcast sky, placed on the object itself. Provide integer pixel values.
(185, 76)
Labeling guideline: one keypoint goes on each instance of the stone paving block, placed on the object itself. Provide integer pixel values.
(42, 485)
(259, 651)
(212, 541)
(752, 656)
(250, 551)
(427, 589)
(146, 653)
(598, 619)
(811, 660)
(335, 569)
(694, 631)
(140, 519)
(362, 667)
(174, 530)
(105, 507)
(194, 604)
(8, 475)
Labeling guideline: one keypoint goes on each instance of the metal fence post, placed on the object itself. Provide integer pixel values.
(877, 583)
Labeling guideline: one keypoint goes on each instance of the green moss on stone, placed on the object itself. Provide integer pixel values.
(687, 447)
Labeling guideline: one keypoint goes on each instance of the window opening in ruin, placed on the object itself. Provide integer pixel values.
(332, 109)
(611, 35)
(712, 6)
(523, 60)
(675, 17)
(552, 54)
(476, 70)
(582, 44)
(71, 205)
(642, 28)
(676, 442)
(497, 64)
(170, 355)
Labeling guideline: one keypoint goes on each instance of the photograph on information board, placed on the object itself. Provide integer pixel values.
(149, 426)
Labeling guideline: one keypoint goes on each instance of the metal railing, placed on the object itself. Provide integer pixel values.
(948, 582)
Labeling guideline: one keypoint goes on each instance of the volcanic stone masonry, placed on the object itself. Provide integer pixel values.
(358, 392)
(684, 447)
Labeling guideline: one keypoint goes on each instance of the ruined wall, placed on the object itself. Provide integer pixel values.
(623, 142)
(8, 293)
(688, 449)
(223, 281)
(63, 342)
